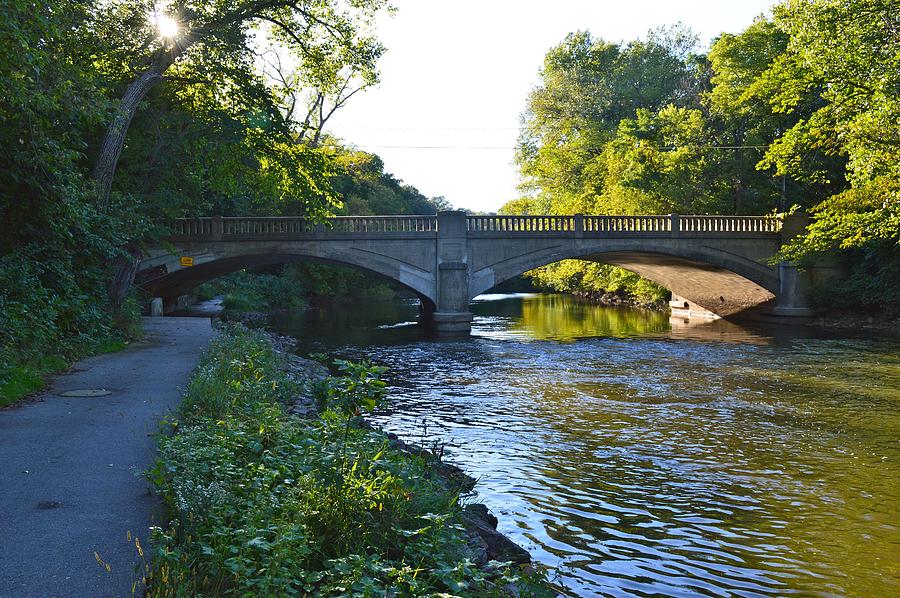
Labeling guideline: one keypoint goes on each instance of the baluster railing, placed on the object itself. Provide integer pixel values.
(286, 227)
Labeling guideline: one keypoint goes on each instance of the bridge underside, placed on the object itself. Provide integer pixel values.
(716, 289)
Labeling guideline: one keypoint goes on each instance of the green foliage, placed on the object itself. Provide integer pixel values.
(246, 291)
(590, 277)
(238, 371)
(849, 52)
(358, 389)
(17, 382)
(265, 504)
(210, 137)
(616, 129)
(48, 320)
(798, 110)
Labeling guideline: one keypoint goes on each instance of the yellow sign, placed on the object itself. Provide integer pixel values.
(187, 261)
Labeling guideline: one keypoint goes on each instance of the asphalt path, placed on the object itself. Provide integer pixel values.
(72, 495)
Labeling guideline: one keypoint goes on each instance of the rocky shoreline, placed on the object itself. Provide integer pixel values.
(617, 300)
(480, 523)
(858, 322)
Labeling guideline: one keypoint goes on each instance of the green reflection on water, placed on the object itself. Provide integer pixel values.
(566, 318)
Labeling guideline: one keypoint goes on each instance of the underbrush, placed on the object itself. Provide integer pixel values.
(266, 504)
(43, 328)
(246, 291)
(296, 286)
(18, 379)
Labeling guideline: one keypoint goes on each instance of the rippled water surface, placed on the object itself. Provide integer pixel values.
(639, 457)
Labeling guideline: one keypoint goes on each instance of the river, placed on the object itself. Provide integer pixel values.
(635, 457)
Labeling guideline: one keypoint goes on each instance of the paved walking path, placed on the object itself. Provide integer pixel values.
(70, 467)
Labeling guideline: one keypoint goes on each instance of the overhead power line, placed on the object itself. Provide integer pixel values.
(430, 128)
(497, 147)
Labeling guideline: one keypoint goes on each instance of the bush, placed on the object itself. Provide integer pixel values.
(247, 291)
(46, 321)
(265, 504)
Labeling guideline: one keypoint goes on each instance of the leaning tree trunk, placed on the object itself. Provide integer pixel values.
(114, 140)
(126, 267)
(105, 166)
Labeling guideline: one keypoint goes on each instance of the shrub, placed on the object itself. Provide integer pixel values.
(265, 504)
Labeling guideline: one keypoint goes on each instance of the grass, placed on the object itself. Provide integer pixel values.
(18, 381)
(265, 504)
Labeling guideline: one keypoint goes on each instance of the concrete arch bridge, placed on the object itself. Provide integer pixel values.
(712, 264)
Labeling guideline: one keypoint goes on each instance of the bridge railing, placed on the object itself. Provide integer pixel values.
(382, 224)
(191, 227)
(630, 224)
(578, 225)
(729, 224)
(237, 227)
(663, 225)
(287, 227)
(520, 224)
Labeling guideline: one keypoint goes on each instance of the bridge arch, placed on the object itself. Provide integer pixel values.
(718, 280)
(211, 265)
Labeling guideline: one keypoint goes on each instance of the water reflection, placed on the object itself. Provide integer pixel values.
(645, 459)
(560, 318)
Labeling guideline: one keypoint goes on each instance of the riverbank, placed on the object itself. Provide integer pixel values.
(617, 300)
(858, 322)
(274, 485)
(74, 502)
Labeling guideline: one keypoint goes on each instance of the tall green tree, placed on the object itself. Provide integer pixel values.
(741, 104)
(597, 135)
(114, 114)
(849, 53)
(323, 36)
(586, 88)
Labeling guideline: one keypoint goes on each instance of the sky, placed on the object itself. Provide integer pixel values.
(457, 74)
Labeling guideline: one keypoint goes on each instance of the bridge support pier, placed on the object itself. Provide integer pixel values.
(452, 316)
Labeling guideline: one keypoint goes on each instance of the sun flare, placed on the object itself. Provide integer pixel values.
(166, 25)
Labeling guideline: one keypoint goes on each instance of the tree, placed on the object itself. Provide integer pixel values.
(849, 51)
(322, 36)
(596, 135)
(661, 162)
(587, 87)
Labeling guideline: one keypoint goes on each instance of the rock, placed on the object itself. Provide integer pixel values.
(482, 512)
(304, 408)
(455, 478)
(451, 476)
(250, 319)
(479, 521)
(303, 369)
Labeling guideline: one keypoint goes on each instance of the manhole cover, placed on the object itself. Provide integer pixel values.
(86, 392)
